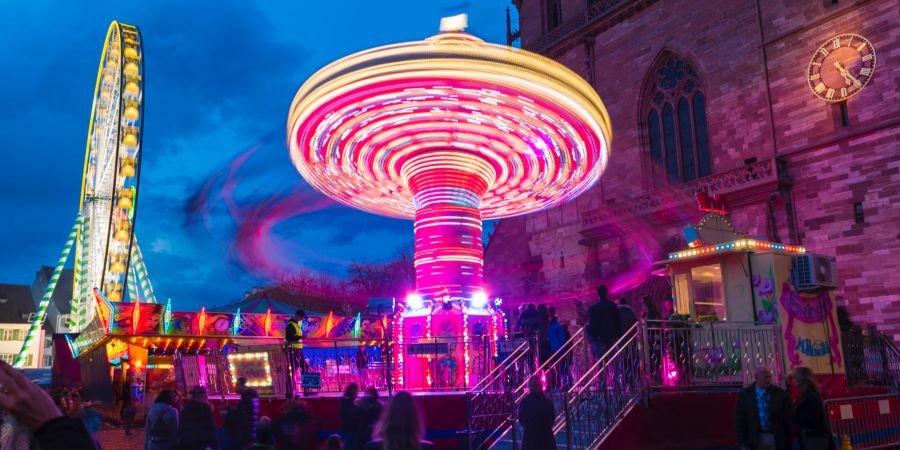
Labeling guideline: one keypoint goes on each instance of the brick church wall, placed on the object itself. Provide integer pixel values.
(831, 166)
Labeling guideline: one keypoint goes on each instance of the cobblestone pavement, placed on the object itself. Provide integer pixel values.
(115, 439)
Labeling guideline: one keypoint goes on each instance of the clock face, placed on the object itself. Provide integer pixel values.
(841, 67)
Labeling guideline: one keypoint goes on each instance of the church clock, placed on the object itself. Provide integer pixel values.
(841, 67)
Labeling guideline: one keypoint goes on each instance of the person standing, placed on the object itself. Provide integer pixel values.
(197, 428)
(809, 413)
(369, 410)
(763, 412)
(649, 310)
(349, 415)
(536, 414)
(293, 345)
(243, 430)
(401, 427)
(362, 365)
(604, 326)
(627, 317)
(161, 430)
(127, 410)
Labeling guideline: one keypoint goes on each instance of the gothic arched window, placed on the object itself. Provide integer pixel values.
(675, 115)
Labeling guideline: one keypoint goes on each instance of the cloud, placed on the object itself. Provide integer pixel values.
(161, 245)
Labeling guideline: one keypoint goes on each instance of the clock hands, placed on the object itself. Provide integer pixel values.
(849, 79)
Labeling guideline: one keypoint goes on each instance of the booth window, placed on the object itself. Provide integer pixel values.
(709, 292)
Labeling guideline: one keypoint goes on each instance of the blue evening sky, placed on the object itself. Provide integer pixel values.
(220, 79)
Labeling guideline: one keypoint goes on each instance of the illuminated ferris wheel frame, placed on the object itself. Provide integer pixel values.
(108, 200)
(103, 234)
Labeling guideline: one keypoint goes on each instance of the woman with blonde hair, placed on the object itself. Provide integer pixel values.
(809, 412)
(400, 427)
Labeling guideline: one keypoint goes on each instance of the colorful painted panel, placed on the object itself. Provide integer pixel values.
(183, 324)
(216, 324)
(808, 320)
(138, 318)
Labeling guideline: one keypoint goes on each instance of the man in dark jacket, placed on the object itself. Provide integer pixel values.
(604, 326)
(763, 411)
(627, 317)
(536, 414)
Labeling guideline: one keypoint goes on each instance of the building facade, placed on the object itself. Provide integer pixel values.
(722, 97)
(16, 312)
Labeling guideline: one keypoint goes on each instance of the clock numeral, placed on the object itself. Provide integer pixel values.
(819, 88)
(843, 92)
(861, 47)
(830, 93)
(815, 77)
(865, 71)
(836, 42)
(867, 57)
(823, 51)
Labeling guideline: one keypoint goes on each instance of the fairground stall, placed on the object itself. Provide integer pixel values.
(747, 299)
(177, 349)
(445, 346)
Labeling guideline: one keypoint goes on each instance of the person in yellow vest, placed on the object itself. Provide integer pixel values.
(293, 345)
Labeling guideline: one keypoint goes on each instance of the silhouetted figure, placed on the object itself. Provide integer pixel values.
(536, 414)
(627, 317)
(349, 415)
(161, 430)
(809, 413)
(401, 426)
(264, 438)
(369, 409)
(198, 429)
(649, 310)
(604, 326)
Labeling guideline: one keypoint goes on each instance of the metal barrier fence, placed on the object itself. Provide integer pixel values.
(604, 395)
(872, 358)
(683, 354)
(428, 364)
(869, 422)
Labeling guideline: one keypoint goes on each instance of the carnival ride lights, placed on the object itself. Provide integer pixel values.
(448, 131)
(742, 244)
(242, 362)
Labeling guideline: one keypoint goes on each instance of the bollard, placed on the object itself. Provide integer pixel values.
(845, 442)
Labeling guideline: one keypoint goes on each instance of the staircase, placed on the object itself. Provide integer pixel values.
(494, 406)
(604, 394)
(592, 397)
(488, 403)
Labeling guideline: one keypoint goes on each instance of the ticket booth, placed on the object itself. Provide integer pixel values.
(725, 275)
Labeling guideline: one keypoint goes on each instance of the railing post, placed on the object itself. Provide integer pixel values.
(567, 417)
(645, 362)
(514, 429)
(469, 420)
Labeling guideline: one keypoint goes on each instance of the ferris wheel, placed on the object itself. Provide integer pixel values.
(112, 162)
(107, 256)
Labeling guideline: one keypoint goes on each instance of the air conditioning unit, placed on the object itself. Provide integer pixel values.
(815, 272)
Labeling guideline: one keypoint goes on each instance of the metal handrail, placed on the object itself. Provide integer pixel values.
(487, 408)
(498, 370)
(609, 390)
